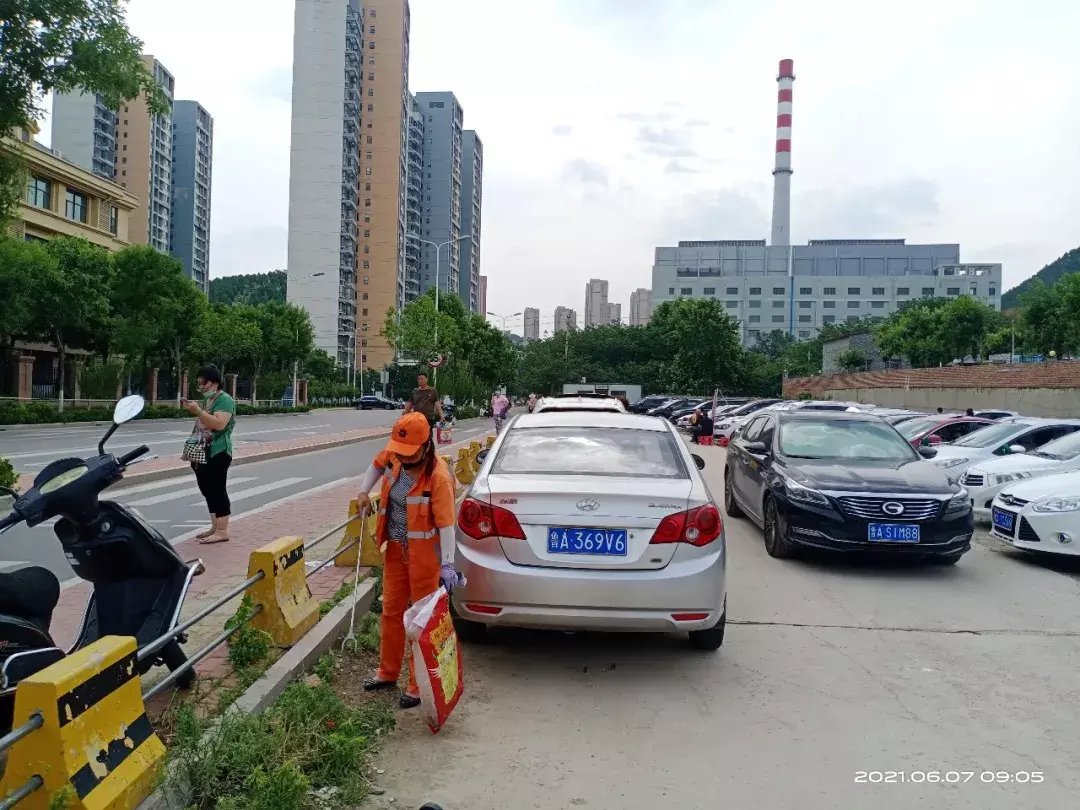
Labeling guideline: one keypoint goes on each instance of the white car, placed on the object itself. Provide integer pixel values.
(1008, 437)
(986, 479)
(730, 424)
(577, 404)
(1040, 515)
(684, 421)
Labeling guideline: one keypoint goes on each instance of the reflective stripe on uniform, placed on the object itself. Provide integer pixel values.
(423, 535)
(413, 500)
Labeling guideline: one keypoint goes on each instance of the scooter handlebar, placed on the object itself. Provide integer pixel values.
(127, 458)
(9, 520)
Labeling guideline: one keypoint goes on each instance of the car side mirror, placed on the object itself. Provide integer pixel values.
(1017, 448)
(699, 461)
(483, 454)
(757, 448)
(927, 452)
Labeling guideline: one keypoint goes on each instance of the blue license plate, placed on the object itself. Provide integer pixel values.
(893, 533)
(1003, 520)
(572, 540)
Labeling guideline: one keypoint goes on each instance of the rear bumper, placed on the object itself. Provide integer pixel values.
(576, 599)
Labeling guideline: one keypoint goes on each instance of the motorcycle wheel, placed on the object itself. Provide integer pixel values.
(173, 657)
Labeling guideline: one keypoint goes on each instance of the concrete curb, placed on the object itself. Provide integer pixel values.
(261, 694)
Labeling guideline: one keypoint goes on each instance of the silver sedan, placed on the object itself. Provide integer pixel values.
(590, 521)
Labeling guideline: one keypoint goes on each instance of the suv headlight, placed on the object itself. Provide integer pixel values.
(800, 494)
(1058, 505)
(1005, 478)
(960, 502)
(949, 462)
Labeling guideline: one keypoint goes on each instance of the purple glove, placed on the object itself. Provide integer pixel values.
(450, 578)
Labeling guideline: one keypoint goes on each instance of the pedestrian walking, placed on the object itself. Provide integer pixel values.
(416, 527)
(500, 406)
(425, 400)
(210, 450)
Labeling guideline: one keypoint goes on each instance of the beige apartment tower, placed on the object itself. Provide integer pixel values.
(383, 174)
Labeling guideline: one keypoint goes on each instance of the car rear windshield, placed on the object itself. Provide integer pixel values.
(589, 451)
(914, 427)
(989, 436)
(843, 439)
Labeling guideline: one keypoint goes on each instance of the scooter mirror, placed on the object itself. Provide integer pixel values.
(128, 408)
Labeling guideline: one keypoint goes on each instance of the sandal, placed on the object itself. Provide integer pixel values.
(374, 685)
(205, 534)
(213, 540)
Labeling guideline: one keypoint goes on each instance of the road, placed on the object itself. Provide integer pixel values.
(829, 668)
(30, 448)
(175, 507)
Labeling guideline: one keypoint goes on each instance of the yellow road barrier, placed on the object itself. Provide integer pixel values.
(288, 611)
(94, 740)
(364, 532)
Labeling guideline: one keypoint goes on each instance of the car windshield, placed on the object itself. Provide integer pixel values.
(843, 439)
(1067, 447)
(989, 436)
(589, 451)
(914, 427)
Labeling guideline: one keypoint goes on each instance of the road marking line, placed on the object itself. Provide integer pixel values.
(116, 494)
(68, 452)
(278, 430)
(178, 494)
(259, 490)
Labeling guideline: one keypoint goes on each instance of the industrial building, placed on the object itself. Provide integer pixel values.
(799, 289)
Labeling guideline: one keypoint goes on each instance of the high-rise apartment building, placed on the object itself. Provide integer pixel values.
(324, 170)
(532, 324)
(598, 312)
(441, 221)
(640, 306)
(614, 314)
(144, 162)
(384, 141)
(414, 198)
(84, 132)
(482, 296)
(472, 184)
(565, 318)
(192, 169)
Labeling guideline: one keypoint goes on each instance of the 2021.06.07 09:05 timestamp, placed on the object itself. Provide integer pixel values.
(949, 777)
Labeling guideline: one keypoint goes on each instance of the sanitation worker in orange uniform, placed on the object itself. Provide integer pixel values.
(416, 524)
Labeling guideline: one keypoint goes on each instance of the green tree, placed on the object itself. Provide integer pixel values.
(250, 288)
(701, 342)
(61, 46)
(286, 337)
(23, 268)
(225, 337)
(851, 359)
(1045, 319)
(73, 303)
(775, 344)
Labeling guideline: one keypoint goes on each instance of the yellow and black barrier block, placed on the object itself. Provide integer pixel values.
(95, 742)
(364, 531)
(288, 610)
(490, 440)
(463, 468)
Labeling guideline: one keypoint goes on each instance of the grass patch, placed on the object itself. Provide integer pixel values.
(346, 588)
(248, 646)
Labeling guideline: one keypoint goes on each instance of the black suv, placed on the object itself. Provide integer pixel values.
(844, 482)
(374, 402)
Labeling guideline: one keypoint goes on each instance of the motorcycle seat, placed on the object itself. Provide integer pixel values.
(30, 594)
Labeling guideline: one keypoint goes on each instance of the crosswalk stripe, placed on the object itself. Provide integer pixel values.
(259, 490)
(177, 494)
(119, 494)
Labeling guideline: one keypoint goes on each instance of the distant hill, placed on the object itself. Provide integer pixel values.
(256, 288)
(1069, 263)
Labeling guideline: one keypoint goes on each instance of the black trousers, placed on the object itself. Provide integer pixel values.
(212, 477)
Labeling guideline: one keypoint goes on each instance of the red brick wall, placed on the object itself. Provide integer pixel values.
(1060, 374)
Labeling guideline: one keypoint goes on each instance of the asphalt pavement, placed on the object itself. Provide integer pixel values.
(31, 448)
(175, 507)
(841, 684)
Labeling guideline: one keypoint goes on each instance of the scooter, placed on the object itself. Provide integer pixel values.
(139, 580)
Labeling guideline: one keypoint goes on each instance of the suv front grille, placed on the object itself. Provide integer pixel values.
(873, 508)
(973, 480)
(1027, 532)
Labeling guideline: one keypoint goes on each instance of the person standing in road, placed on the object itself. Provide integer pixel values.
(500, 406)
(416, 525)
(425, 400)
(216, 416)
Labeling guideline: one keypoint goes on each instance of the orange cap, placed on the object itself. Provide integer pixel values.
(409, 434)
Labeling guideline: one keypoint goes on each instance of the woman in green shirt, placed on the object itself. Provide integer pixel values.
(217, 415)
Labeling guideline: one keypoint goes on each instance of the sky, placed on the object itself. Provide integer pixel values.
(611, 127)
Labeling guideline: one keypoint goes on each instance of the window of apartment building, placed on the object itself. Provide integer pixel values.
(877, 291)
(854, 291)
(363, 341)
(371, 91)
(685, 291)
(777, 318)
(369, 139)
(372, 29)
(39, 192)
(371, 45)
(754, 304)
(777, 304)
(927, 291)
(114, 219)
(952, 291)
(367, 186)
(829, 319)
(367, 171)
(852, 304)
(755, 319)
(806, 291)
(670, 290)
(804, 333)
(732, 291)
(903, 291)
(75, 205)
(829, 291)
(731, 304)
(367, 155)
(877, 305)
(364, 298)
(804, 319)
(367, 203)
(367, 234)
(365, 277)
(371, 61)
(805, 304)
(993, 291)
(371, 108)
(755, 290)
(709, 291)
(371, 76)
(367, 249)
(363, 312)
(777, 290)
(366, 265)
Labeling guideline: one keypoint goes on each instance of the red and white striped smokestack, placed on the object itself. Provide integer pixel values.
(781, 206)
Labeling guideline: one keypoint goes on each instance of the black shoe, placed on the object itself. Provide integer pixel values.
(408, 702)
(374, 685)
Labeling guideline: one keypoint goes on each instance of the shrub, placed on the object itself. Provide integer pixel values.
(100, 380)
(466, 412)
(39, 413)
(8, 477)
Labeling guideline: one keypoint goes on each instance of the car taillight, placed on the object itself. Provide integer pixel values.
(698, 527)
(480, 521)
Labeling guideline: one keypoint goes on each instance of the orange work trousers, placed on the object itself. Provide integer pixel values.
(407, 578)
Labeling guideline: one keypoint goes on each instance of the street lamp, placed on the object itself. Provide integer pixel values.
(438, 251)
(503, 318)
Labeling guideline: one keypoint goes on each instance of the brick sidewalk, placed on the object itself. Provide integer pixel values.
(226, 565)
